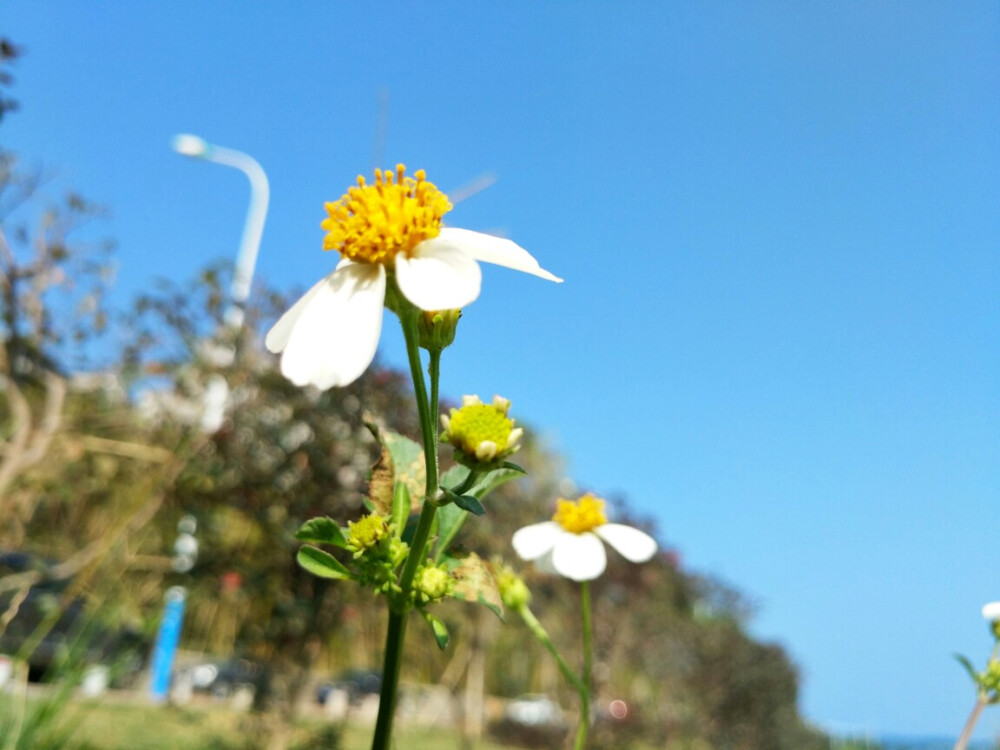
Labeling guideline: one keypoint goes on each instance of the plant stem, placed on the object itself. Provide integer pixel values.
(970, 724)
(539, 632)
(588, 659)
(394, 637)
(396, 632)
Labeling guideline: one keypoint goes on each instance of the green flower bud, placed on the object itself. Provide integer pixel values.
(432, 583)
(990, 679)
(513, 590)
(436, 328)
(366, 533)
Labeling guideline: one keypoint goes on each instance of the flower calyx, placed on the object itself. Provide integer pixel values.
(436, 328)
(482, 434)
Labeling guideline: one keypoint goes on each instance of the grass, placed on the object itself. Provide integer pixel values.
(137, 726)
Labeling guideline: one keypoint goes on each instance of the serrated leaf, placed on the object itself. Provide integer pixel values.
(322, 564)
(474, 581)
(322, 531)
(407, 459)
(400, 508)
(471, 504)
(439, 629)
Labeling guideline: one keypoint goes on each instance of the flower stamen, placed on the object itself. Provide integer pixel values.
(586, 514)
(373, 223)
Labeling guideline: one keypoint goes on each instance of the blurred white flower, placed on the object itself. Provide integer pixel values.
(329, 337)
(991, 611)
(571, 544)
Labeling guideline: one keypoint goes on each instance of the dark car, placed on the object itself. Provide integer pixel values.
(69, 635)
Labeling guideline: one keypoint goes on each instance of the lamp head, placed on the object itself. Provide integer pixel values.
(190, 145)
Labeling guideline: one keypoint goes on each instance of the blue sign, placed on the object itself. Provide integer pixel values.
(167, 638)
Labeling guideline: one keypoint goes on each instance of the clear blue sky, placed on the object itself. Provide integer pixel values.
(778, 224)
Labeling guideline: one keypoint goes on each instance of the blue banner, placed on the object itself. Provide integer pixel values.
(167, 639)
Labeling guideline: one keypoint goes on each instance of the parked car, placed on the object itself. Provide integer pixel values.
(357, 683)
(77, 638)
(224, 678)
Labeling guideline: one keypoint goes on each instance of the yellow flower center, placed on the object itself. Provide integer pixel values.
(586, 514)
(372, 223)
(477, 423)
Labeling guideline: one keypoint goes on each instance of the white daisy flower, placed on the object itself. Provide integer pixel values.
(571, 543)
(991, 612)
(389, 229)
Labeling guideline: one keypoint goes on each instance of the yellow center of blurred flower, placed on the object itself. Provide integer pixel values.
(586, 514)
(477, 423)
(372, 223)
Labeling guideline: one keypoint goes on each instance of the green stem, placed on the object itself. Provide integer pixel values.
(588, 660)
(539, 632)
(394, 637)
(396, 632)
(467, 484)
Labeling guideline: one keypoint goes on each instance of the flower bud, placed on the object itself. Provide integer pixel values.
(436, 328)
(513, 590)
(482, 434)
(432, 583)
(366, 533)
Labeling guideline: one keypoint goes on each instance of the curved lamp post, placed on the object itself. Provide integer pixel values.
(246, 260)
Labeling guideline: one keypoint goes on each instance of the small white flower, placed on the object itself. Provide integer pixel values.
(329, 337)
(571, 544)
(991, 611)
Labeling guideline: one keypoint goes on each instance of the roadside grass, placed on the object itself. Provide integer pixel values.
(106, 725)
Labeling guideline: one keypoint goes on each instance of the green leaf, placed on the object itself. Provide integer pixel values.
(513, 467)
(400, 508)
(449, 520)
(439, 629)
(474, 581)
(968, 667)
(322, 564)
(322, 531)
(407, 459)
(471, 504)
(451, 517)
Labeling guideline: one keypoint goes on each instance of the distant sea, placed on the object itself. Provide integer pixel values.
(931, 743)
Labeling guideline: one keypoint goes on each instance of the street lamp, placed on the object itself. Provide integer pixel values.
(198, 148)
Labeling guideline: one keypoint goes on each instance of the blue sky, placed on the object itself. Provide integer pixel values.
(778, 224)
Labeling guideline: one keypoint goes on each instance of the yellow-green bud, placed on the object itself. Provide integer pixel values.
(436, 328)
(432, 583)
(513, 590)
(482, 434)
(990, 679)
(366, 533)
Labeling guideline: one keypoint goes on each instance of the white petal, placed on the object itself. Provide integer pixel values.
(439, 276)
(533, 541)
(579, 556)
(991, 611)
(335, 333)
(277, 338)
(632, 544)
(497, 250)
